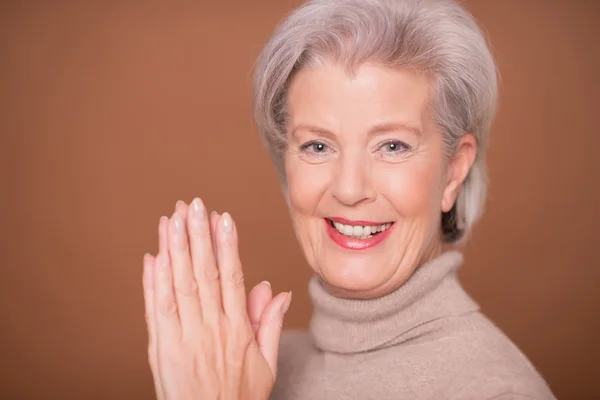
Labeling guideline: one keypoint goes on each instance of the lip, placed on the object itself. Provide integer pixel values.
(349, 222)
(352, 243)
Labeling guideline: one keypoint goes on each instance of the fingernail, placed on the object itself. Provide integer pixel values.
(227, 223)
(178, 221)
(286, 305)
(198, 214)
(179, 203)
(267, 283)
(213, 213)
(198, 206)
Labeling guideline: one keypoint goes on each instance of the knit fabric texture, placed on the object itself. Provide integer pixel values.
(425, 340)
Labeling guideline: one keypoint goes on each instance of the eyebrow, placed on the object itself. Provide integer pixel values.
(375, 130)
(313, 129)
(395, 126)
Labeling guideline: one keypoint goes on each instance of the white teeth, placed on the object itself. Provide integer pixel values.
(360, 232)
(348, 230)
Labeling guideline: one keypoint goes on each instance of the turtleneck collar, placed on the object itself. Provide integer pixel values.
(351, 326)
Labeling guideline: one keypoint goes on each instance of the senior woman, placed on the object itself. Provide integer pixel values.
(377, 114)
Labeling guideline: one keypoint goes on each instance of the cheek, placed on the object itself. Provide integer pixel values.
(306, 185)
(412, 188)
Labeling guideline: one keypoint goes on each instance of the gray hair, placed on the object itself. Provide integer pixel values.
(437, 37)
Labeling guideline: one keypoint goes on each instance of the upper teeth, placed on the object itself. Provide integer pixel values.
(362, 232)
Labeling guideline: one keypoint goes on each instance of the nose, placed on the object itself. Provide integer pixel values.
(352, 183)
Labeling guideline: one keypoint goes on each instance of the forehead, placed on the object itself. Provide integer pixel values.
(329, 95)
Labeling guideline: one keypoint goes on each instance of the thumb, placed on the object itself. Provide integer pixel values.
(259, 298)
(269, 331)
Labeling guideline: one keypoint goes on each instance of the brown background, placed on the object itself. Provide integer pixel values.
(111, 113)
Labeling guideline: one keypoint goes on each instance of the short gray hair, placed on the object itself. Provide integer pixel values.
(437, 37)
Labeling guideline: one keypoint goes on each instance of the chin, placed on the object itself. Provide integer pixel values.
(355, 276)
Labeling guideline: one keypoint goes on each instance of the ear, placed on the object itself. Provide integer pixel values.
(458, 169)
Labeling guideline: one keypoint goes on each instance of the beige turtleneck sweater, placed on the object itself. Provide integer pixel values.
(426, 340)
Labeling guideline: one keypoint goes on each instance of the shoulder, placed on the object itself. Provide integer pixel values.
(480, 361)
(510, 395)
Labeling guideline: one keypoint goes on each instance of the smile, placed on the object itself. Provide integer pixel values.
(357, 235)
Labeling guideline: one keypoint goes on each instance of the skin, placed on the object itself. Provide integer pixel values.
(206, 340)
(358, 174)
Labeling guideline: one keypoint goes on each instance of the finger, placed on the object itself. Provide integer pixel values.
(214, 221)
(258, 299)
(168, 328)
(182, 209)
(162, 236)
(148, 284)
(204, 262)
(184, 282)
(271, 324)
(233, 291)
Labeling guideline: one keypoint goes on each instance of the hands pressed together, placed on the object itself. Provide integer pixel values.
(205, 340)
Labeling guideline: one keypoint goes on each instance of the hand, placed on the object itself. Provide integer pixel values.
(203, 341)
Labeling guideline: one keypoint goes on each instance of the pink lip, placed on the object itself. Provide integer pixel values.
(353, 243)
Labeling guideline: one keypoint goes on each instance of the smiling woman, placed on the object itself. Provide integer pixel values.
(377, 115)
(370, 170)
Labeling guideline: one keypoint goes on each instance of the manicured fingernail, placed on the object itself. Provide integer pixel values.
(227, 223)
(198, 212)
(178, 221)
(267, 283)
(197, 206)
(286, 305)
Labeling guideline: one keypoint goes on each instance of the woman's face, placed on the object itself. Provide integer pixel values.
(367, 175)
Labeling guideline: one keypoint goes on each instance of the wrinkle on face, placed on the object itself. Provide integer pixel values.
(355, 116)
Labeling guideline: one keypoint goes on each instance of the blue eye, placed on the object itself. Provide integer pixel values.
(318, 147)
(395, 146)
(314, 147)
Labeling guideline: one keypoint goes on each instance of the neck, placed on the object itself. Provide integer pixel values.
(345, 325)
